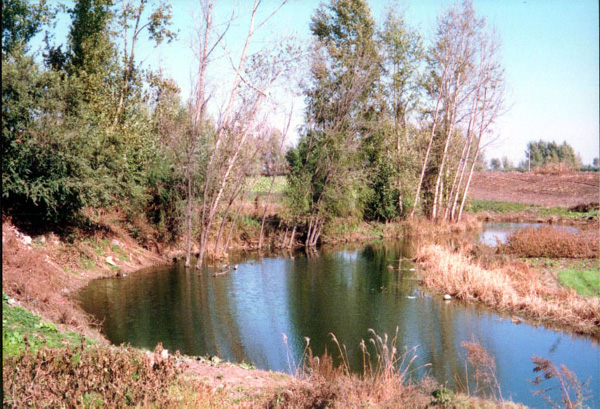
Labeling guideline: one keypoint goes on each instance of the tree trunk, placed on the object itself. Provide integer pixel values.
(431, 137)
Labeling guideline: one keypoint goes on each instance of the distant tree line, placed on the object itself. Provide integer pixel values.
(542, 154)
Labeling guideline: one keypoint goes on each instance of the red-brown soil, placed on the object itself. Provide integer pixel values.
(548, 190)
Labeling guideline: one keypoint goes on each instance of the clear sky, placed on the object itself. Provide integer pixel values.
(550, 51)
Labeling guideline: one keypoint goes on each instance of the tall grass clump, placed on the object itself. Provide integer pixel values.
(510, 287)
(551, 242)
(483, 370)
(384, 382)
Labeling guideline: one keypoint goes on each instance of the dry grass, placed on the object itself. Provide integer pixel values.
(555, 169)
(42, 273)
(428, 228)
(572, 391)
(99, 377)
(511, 287)
(483, 371)
(551, 242)
(384, 382)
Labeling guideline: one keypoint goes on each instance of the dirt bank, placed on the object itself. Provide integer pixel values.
(44, 273)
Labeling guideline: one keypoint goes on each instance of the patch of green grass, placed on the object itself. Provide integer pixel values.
(121, 254)
(262, 184)
(87, 263)
(92, 400)
(249, 222)
(477, 206)
(585, 282)
(19, 324)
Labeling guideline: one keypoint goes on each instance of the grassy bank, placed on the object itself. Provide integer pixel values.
(509, 286)
(585, 282)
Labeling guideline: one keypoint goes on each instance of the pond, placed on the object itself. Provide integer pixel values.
(494, 233)
(244, 314)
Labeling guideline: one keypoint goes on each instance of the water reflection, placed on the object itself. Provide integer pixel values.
(495, 233)
(241, 316)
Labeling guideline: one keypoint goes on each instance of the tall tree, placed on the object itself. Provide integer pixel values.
(541, 153)
(21, 21)
(465, 88)
(223, 147)
(345, 67)
(157, 25)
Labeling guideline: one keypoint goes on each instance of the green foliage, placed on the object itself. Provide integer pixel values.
(382, 196)
(21, 21)
(478, 206)
(326, 169)
(40, 171)
(63, 148)
(541, 153)
(585, 282)
(23, 330)
(443, 396)
(495, 164)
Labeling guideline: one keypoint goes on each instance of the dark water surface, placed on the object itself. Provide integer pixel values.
(243, 316)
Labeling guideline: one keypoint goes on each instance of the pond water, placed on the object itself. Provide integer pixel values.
(243, 316)
(494, 233)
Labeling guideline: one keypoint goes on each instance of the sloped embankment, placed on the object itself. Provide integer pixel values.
(511, 287)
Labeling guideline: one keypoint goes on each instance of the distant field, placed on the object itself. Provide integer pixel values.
(518, 188)
(536, 189)
(259, 186)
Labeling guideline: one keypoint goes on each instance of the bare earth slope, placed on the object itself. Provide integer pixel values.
(567, 190)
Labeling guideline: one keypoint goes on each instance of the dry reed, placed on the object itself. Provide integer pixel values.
(572, 391)
(512, 287)
(551, 242)
(484, 367)
(385, 380)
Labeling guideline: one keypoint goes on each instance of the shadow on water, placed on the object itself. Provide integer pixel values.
(242, 316)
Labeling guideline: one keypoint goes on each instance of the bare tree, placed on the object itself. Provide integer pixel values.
(235, 126)
(205, 45)
(280, 149)
(466, 76)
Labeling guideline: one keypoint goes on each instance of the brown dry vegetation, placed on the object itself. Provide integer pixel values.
(509, 286)
(78, 377)
(117, 377)
(562, 189)
(551, 242)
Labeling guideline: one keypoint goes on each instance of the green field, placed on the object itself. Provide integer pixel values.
(585, 282)
(478, 206)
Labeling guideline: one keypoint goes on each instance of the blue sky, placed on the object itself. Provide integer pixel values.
(550, 51)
